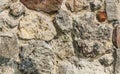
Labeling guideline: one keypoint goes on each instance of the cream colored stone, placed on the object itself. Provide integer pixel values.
(33, 26)
(8, 70)
(76, 5)
(63, 46)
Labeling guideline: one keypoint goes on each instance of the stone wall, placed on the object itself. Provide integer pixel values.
(59, 37)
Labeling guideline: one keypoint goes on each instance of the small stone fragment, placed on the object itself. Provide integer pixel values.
(86, 67)
(8, 21)
(104, 32)
(95, 5)
(38, 58)
(4, 4)
(116, 36)
(91, 40)
(35, 26)
(101, 16)
(117, 62)
(91, 49)
(111, 10)
(106, 60)
(63, 21)
(9, 47)
(43, 5)
(17, 9)
(65, 67)
(76, 5)
(63, 46)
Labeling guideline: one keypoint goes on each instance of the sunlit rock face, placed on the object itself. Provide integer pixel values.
(43, 5)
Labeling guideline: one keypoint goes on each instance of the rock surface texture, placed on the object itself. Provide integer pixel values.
(44, 5)
(59, 36)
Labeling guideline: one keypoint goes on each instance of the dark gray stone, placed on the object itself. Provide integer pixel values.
(17, 9)
(91, 38)
(37, 58)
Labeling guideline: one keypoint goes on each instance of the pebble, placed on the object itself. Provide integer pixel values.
(17, 9)
(101, 16)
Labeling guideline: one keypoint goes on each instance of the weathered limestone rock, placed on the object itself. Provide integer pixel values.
(70, 41)
(91, 48)
(118, 10)
(4, 4)
(96, 5)
(43, 5)
(117, 62)
(95, 67)
(76, 5)
(85, 24)
(63, 21)
(92, 40)
(82, 67)
(116, 36)
(10, 68)
(106, 60)
(66, 67)
(111, 10)
(7, 21)
(63, 46)
(6, 70)
(41, 60)
(35, 26)
(17, 9)
(104, 32)
(9, 47)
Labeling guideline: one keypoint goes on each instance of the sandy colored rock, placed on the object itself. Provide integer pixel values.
(66, 67)
(62, 46)
(111, 10)
(7, 21)
(33, 26)
(4, 4)
(117, 62)
(59, 37)
(17, 9)
(91, 39)
(92, 67)
(76, 5)
(8, 47)
(41, 59)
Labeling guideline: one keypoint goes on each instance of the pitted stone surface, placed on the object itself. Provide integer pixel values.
(36, 26)
(9, 47)
(59, 37)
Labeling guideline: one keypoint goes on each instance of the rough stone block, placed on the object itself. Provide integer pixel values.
(117, 62)
(9, 47)
(111, 10)
(43, 5)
